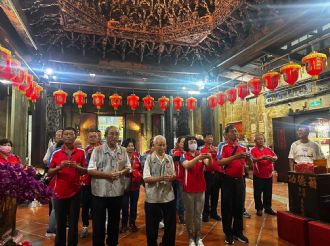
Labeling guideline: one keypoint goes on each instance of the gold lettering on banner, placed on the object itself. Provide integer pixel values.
(302, 195)
(292, 179)
(312, 183)
(301, 180)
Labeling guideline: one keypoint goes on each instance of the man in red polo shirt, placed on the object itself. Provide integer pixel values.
(233, 157)
(66, 165)
(85, 180)
(263, 159)
(212, 178)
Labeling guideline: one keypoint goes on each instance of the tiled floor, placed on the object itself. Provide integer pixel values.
(32, 222)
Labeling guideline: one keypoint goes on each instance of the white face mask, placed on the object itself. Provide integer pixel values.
(192, 147)
(5, 149)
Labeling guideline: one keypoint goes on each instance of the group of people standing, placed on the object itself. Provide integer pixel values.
(106, 179)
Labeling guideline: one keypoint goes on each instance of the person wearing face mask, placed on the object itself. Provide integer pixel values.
(194, 187)
(6, 157)
(233, 157)
(131, 196)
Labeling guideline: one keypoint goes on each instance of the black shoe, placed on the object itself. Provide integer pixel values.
(240, 237)
(229, 239)
(205, 218)
(216, 217)
(259, 212)
(270, 211)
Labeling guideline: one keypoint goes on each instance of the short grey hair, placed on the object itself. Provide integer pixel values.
(109, 128)
(158, 137)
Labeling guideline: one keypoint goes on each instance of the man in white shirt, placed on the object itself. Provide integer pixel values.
(107, 167)
(51, 148)
(304, 150)
(158, 175)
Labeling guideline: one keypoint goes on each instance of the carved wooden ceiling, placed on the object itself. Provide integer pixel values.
(160, 44)
(171, 32)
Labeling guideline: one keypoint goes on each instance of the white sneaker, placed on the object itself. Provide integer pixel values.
(200, 242)
(192, 242)
(49, 234)
(161, 225)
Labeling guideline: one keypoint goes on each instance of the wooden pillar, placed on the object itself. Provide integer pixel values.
(39, 121)
(18, 130)
(169, 134)
(183, 123)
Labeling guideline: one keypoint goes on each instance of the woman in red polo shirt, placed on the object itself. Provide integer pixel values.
(177, 152)
(6, 157)
(194, 188)
(131, 197)
(263, 159)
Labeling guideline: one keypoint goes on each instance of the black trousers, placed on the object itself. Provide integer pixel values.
(129, 207)
(99, 207)
(232, 204)
(153, 212)
(65, 208)
(264, 187)
(86, 203)
(212, 192)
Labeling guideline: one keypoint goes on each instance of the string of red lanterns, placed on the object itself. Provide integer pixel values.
(10, 69)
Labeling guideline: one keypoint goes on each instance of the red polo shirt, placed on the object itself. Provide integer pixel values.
(215, 167)
(235, 168)
(11, 159)
(179, 169)
(136, 175)
(86, 179)
(262, 168)
(193, 178)
(67, 180)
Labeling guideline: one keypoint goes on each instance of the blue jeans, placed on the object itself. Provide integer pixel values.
(52, 221)
(179, 201)
(130, 200)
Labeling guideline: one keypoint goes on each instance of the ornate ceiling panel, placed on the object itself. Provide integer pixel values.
(168, 32)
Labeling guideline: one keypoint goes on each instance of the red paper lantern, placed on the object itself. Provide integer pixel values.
(242, 90)
(231, 95)
(315, 63)
(60, 97)
(255, 86)
(31, 90)
(212, 101)
(163, 103)
(133, 101)
(37, 93)
(5, 63)
(98, 100)
(177, 103)
(79, 98)
(221, 96)
(148, 102)
(290, 72)
(23, 87)
(191, 103)
(271, 79)
(115, 101)
(17, 73)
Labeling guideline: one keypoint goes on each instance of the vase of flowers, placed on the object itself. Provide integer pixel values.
(18, 185)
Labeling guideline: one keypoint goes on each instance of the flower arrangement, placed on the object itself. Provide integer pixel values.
(22, 184)
(17, 185)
